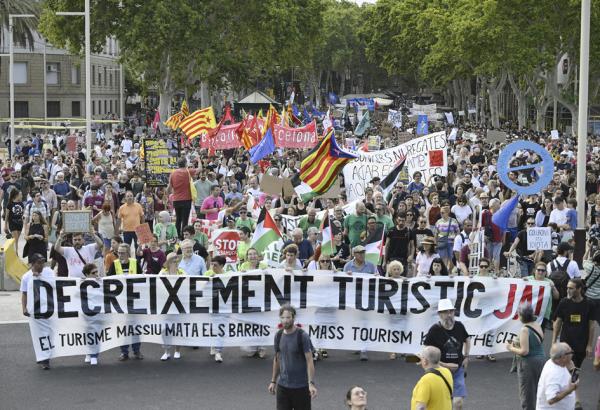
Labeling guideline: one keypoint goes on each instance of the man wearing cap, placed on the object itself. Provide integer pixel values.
(451, 337)
(244, 220)
(38, 270)
(359, 264)
(434, 389)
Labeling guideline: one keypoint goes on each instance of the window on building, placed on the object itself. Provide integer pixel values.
(21, 109)
(99, 107)
(105, 110)
(99, 78)
(110, 83)
(76, 108)
(75, 74)
(105, 76)
(110, 106)
(93, 107)
(53, 108)
(20, 72)
(93, 75)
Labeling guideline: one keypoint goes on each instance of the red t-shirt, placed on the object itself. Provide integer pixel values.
(180, 183)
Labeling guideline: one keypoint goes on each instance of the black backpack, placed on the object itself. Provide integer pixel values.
(560, 277)
(299, 333)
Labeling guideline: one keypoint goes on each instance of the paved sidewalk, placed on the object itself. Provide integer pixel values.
(10, 308)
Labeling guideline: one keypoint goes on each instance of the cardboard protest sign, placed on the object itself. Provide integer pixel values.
(386, 131)
(493, 136)
(144, 234)
(160, 160)
(539, 238)
(225, 243)
(288, 188)
(77, 221)
(427, 154)
(271, 185)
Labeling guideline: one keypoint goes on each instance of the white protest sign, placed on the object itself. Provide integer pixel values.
(449, 117)
(539, 238)
(289, 223)
(69, 316)
(469, 136)
(461, 113)
(554, 135)
(427, 154)
(77, 221)
(453, 134)
(472, 111)
(423, 109)
(395, 118)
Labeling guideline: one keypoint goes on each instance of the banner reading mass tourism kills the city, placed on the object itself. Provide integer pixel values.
(352, 312)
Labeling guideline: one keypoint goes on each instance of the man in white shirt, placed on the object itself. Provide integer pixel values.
(78, 255)
(556, 390)
(559, 214)
(564, 251)
(38, 270)
(127, 144)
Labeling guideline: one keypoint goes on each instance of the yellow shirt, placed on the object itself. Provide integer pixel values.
(131, 215)
(432, 391)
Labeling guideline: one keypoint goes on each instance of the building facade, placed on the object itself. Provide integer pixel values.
(63, 77)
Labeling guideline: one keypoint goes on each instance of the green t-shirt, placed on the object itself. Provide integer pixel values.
(248, 223)
(355, 225)
(202, 239)
(304, 224)
(386, 221)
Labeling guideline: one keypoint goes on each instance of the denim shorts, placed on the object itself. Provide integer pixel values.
(460, 387)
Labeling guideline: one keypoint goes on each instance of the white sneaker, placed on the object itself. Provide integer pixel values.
(93, 361)
(218, 357)
(212, 351)
(177, 355)
(87, 358)
(165, 357)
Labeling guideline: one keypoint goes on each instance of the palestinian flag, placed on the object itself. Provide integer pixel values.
(387, 183)
(374, 246)
(266, 232)
(327, 246)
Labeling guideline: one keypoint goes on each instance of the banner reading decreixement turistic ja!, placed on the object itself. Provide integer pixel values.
(426, 154)
(340, 311)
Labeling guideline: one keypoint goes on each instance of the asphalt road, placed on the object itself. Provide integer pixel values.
(197, 382)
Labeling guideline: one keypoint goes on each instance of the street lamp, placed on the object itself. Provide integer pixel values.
(88, 73)
(11, 76)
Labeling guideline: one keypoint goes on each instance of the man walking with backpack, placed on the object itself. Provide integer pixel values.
(560, 270)
(293, 368)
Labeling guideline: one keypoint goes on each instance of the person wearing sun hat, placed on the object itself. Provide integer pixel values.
(450, 336)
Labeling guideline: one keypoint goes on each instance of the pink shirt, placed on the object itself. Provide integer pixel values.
(212, 202)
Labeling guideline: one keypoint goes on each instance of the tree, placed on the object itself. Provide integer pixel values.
(182, 43)
(23, 28)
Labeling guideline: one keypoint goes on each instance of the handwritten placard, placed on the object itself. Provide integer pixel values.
(77, 221)
(539, 238)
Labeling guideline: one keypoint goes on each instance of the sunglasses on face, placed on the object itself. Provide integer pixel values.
(484, 266)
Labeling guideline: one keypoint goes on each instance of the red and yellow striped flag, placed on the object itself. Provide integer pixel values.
(185, 109)
(174, 120)
(199, 122)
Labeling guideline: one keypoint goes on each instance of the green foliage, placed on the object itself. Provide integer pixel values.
(23, 28)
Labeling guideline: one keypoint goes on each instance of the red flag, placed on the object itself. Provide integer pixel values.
(436, 158)
(156, 120)
(227, 116)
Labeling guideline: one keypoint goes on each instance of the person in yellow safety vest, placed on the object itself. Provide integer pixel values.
(124, 265)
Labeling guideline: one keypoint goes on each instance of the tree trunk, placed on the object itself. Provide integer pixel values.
(465, 92)
(342, 84)
(456, 94)
(521, 95)
(495, 86)
(165, 92)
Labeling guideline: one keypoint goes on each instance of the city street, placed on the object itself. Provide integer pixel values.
(239, 383)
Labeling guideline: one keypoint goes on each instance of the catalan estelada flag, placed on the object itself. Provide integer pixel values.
(320, 169)
(199, 122)
(174, 120)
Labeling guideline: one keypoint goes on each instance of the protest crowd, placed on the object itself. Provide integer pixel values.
(460, 221)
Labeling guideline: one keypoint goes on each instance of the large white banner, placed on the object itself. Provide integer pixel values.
(423, 109)
(427, 154)
(339, 311)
